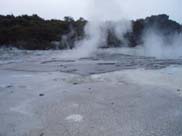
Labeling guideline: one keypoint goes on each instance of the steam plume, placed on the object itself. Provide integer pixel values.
(100, 14)
(158, 45)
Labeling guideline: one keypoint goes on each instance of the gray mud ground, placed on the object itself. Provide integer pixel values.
(42, 94)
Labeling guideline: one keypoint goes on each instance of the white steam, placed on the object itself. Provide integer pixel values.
(95, 36)
(103, 15)
(157, 45)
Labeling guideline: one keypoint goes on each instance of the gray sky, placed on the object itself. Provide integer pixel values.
(88, 8)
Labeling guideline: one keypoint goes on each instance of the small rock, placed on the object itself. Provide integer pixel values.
(178, 90)
(9, 86)
(42, 134)
(41, 94)
(75, 83)
(75, 118)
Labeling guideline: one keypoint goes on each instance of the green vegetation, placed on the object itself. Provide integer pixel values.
(33, 32)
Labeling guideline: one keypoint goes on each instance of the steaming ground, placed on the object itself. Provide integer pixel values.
(111, 93)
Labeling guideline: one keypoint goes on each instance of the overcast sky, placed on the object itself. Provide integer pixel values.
(88, 8)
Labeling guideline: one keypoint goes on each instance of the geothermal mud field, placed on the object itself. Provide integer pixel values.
(111, 93)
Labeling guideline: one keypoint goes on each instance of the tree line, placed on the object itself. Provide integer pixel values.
(35, 33)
